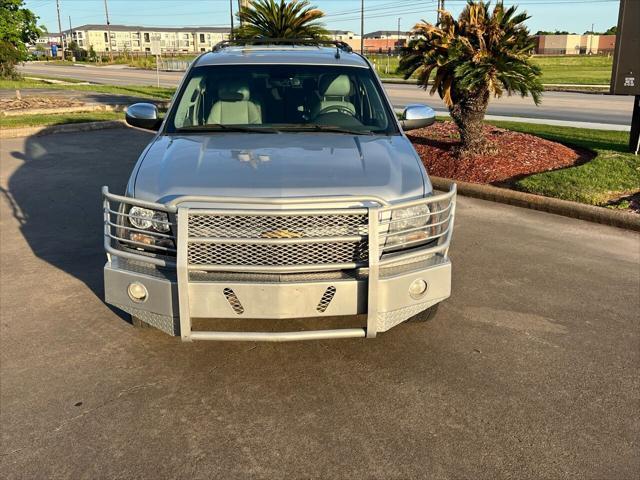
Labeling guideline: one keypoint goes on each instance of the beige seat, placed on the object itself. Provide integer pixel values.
(234, 106)
(335, 91)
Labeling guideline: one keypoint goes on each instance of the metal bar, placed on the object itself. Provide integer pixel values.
(183, 274)
(122, 214)
(374, 271)
(139, 203)
(133, 242)
(279, 336)
(435, 198)
(390, 221)
(421, 240)
(275, 241)
(414, 229)
(133, 256)
(278, 213)
(139, 230)
(275, 268)
(393, 257)
(450, 227)
(275, 201)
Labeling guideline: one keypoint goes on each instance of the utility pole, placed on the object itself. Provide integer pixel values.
(362, 27)
(106, 12)
(70, 33)
(60, 27)
(231, 17)
(398, 44)
(440, 7)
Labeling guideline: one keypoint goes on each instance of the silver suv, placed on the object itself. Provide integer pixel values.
(279, 185)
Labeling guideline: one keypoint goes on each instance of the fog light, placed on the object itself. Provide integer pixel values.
(137, 292)
(417, 288)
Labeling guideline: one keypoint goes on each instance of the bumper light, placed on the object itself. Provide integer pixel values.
(137, 292)
(417, 289)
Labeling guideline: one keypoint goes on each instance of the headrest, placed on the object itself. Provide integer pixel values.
(233, 92)
(335, 86)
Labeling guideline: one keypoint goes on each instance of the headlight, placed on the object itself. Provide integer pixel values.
(144, 219)
(151, 221)
(408, 221)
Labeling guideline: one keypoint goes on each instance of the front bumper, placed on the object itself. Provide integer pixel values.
(181, 290)
(271, 298)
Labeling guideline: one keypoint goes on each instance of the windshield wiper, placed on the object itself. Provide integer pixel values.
(214, 127)
(314, 127)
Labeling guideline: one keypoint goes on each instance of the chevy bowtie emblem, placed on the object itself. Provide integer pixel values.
(281, 234)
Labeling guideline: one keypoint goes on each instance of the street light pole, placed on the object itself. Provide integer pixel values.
(106, 12)
(231, 16)
(60, 27)
(362, 27)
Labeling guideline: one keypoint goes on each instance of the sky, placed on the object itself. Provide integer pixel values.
(571, 15)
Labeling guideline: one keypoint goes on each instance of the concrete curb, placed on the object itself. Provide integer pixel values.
(565, 208)
(66, 128)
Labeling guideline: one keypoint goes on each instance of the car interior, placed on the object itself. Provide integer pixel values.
(296, 96)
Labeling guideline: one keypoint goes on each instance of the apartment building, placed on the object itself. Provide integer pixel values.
(127, 38)
(347, 36)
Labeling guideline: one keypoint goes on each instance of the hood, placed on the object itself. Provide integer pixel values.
(280, 165)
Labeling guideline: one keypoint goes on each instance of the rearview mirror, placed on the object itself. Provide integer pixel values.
(417, 116)
(143, 115)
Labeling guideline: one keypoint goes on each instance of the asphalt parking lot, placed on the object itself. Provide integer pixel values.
(530, 370)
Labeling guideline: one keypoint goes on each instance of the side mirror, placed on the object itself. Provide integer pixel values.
(143, 115)
(417, 116)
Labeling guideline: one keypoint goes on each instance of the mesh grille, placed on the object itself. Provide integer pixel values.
(293, 254)
(276, 226)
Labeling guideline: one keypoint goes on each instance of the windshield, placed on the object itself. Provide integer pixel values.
(272, 98)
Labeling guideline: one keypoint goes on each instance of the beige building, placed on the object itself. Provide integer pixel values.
(125, 38)
(575, 44)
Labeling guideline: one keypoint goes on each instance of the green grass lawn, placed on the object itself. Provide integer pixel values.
(57, 119)
(579, 70)
(613, 173)
(582, 69)
(131, 90)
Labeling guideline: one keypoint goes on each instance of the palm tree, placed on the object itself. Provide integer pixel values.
(483, 53)
(273, 19)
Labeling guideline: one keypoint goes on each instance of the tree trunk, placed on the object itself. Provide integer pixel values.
(468, 115)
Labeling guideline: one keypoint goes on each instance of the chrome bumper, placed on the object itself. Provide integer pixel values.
(182, 291)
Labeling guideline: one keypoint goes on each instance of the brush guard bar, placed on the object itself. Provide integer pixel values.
(380, 239)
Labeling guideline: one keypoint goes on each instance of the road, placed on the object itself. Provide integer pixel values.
(530, 370)
(561, 106)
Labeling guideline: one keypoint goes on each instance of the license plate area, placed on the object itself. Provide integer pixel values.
(276, 300)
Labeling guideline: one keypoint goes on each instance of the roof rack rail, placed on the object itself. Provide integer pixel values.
(306, 42)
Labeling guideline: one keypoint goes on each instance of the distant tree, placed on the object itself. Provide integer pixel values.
(18, 27)
(612, 31)
(482, 54)
(93, 56)
(280, 19)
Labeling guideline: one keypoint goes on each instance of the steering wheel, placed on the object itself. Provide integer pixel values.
(335, 108)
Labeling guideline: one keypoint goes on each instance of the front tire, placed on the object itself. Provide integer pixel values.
(425, 315)
(139, 323)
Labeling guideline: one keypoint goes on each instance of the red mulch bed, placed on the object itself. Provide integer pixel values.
(514, 154)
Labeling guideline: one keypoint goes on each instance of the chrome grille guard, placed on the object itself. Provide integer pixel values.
(299, 235)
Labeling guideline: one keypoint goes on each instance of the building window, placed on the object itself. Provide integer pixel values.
(202, 37)
(105, 37)
(146, 38)
(202, 49)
